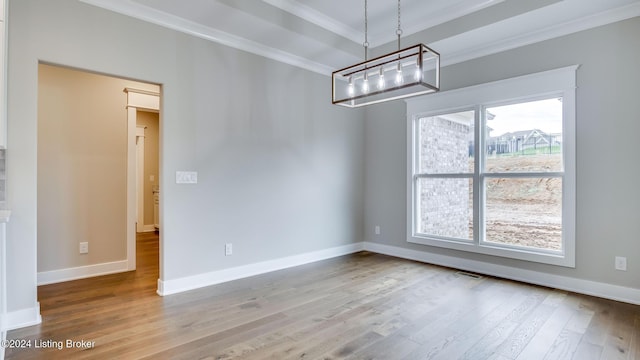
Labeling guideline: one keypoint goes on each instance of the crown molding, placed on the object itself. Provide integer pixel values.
(566, 28)
(148, 14)
(315, 17)
(459, 48)
(442, 16)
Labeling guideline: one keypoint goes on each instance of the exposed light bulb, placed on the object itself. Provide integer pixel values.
(381, 79)
(365, 84)
(350, 89)
(418, 74)
(399, 75)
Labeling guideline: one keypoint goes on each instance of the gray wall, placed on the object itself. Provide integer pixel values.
(279, 168)
(608, 121)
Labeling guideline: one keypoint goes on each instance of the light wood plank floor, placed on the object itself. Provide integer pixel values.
(362, 306)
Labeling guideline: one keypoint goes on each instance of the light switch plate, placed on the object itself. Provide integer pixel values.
(186, 177)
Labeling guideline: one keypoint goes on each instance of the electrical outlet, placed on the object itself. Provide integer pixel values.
(621, 263)
(228, 249)
(377, 229)
(84, 248)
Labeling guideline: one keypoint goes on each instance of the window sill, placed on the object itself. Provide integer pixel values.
(551, 258)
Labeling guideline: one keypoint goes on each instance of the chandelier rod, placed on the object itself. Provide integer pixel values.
(399, 30)
(366, 32)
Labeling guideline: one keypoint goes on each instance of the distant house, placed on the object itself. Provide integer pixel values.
(520, 141)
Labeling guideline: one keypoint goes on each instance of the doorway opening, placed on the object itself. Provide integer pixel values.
(87, 198)
(143, 122)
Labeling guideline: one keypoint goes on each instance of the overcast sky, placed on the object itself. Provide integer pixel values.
(545, 115)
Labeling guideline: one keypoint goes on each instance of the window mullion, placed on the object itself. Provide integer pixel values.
(444, 176)
(415, 134)
(478, 193)
(513, 175)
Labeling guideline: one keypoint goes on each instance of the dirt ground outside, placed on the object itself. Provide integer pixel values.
(528, 211)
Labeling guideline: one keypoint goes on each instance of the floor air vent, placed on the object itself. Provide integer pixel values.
(468, 274)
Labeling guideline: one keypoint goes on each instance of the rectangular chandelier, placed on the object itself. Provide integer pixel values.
(405, 73)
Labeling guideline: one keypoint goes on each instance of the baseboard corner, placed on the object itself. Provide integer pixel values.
(582, 286)
(173, 286)
(23, 318)
(81, 272)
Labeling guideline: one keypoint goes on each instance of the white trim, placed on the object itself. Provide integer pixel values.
(518, 87)
(587, 287)
(356, 35)
(475, 49)
(459, 48)
(168, 287)
(4, 60)
(140, 176)
(3, 337)
(313, 16)
(140, 130)
(131, 187)
(149, 228)
(148, 14)
(23, 318)
(556, 82)
(142, 100)
(81, 272)
(5, 215)
(439, 17)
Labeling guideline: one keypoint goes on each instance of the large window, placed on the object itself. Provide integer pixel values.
(492, 168)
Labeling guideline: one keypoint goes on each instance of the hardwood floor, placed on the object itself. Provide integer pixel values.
(362, 306)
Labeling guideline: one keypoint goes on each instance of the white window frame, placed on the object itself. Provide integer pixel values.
(553, 83)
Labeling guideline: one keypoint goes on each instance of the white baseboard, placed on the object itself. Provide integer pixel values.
(81, 272)
(169, 287)
(22, 318)
(587, 287)
(148, 228)
(3, 337)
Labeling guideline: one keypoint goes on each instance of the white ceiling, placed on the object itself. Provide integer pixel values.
(323, 35)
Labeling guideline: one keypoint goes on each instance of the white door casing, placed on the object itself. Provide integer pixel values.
(140, 178)
(137, 100)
